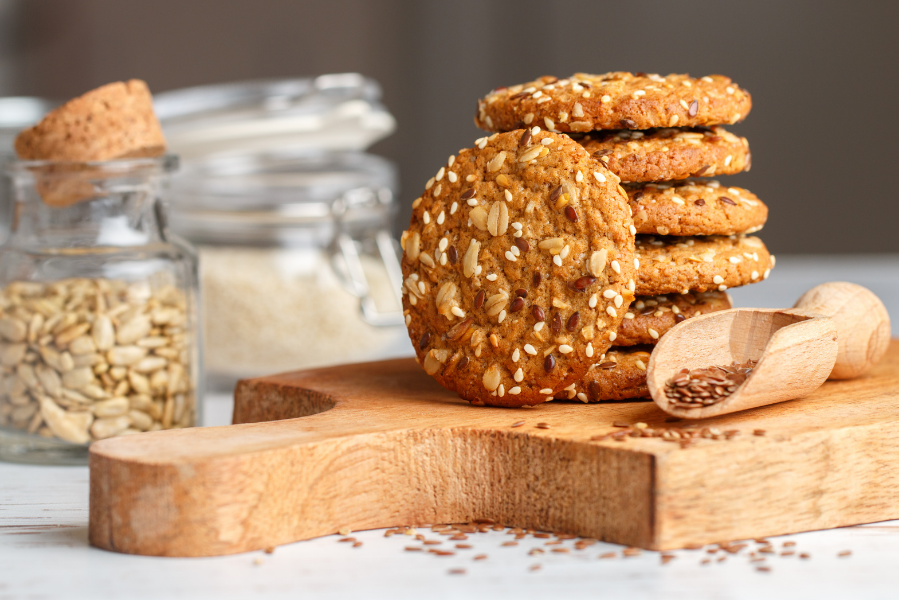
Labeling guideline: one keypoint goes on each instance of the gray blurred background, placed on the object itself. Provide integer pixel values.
(823, 75)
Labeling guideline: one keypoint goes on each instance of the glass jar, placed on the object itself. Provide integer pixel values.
(298, 268)
(99, 334)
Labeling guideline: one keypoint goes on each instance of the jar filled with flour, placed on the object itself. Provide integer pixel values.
(297, 265)
(292, 221)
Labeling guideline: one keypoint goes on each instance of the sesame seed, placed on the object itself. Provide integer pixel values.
(618, 301)
(440, 174)
(722, 288)
(453, 208)
(437, 190)
(518, 376)
(491, 277)
(637, 265)
(754, 275)
(537, 94)
(451, 177)
(612, 336)
(535, 130)
(718, 279)
(507, 194)
(472, 202)
(564, 252)
(608, 294)
(471, 178)
(565, 348)
(442, 245)
(451, 160)
(440, 219)
(538, 326)
(528, 118)
(615, 266)
(515, 355)
(458, 312)
(611, 311)
(501, 316)
(548, 122)
(589, 350)
(426, 217)
(605, 98)
(546, 391)
(510, 256)
(557, 261)
(599, 177)
(653, 333)
(734, 260)
(530, 350)
(631, 282)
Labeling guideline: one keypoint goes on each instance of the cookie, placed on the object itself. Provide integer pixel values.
(694, 207)
(674, 265)
(650, 317)
(670, 153)
(620, 375)
(505, 262)
(112, 121)
(617, 100)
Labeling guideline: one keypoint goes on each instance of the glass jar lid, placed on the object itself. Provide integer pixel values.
(330, 112)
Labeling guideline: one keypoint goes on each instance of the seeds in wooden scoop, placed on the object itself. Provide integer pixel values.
(696, 388)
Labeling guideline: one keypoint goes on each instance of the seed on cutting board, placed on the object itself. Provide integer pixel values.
(480, 557)
(844, 553)
(608, 555)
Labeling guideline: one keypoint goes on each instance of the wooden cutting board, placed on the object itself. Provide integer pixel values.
(381, 444)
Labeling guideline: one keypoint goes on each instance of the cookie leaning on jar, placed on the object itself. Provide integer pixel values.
(518, 268)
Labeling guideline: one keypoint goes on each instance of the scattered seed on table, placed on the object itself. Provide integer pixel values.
(413, 549)
(763, 569)
(534, 551)
(844, 553)
(510, 544)
(786, 544)
(722, 558)
(542, 535)
(432, 542)
(560, 550)
(631, 552)
(666, 558)
(457, 571)
(534, 568)
(518, 424)
(805, 555)
(464, 546)
(480, 557)
(270, 550)
(347, 539)
(459, 536)
(608, 555)
(705, 561)
(543, 425)
(553, 543)
(441, 552)
(357, 544)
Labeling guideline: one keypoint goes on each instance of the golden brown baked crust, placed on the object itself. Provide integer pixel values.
(506, 259)
(112, 121)
(650, 317)
(620, 375)
(670, 153)
(615, 100)
(694, 207)
(673, 265)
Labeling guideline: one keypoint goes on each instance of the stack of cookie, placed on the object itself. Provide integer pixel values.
(550, 281)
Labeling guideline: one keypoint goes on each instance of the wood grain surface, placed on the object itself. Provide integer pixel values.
(381, 444)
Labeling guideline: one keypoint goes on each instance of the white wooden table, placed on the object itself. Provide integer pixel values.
(44, 551)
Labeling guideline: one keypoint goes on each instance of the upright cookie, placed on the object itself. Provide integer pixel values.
(620, 375)
(676, 265)
(616, 100)
(694, 207)
(506, 259)
(650, 317)
(670, 153)
(112, 121)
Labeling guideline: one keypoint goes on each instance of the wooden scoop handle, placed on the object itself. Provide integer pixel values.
(861, 320)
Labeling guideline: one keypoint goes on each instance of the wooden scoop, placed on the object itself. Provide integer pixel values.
(837, 330)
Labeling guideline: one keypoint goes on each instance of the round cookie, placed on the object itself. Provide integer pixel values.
(676, 265)
(694, 207)
(616, 100)
(650, 317)
(670, 153)
(620, 375)
(505, 260)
